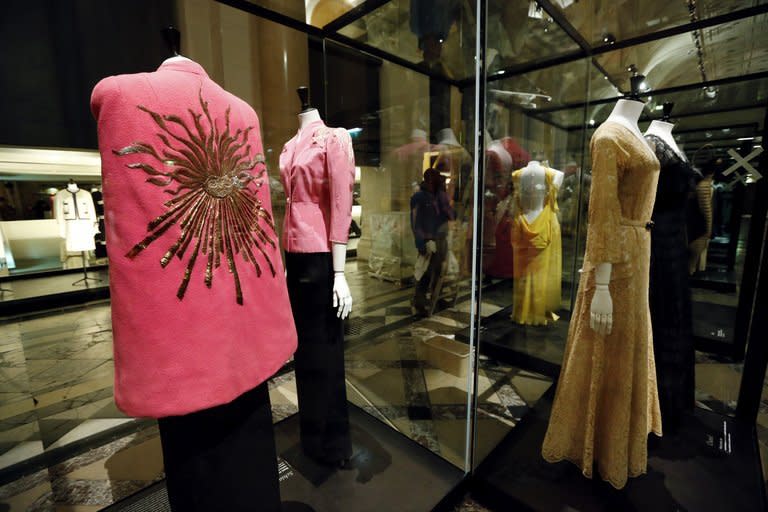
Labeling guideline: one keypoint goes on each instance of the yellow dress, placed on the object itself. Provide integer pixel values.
(537, 259)
(606, 402)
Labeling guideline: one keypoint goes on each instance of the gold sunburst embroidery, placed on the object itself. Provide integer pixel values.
(207, 170)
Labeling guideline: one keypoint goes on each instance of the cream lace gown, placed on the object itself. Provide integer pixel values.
(606, 401)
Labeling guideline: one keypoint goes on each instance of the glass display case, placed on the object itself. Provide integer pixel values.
(473, 207)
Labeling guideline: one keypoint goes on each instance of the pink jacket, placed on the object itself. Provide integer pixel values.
(200, 310)
(317, 167)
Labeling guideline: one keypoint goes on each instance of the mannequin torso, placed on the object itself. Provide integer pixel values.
(309, 121)
(663, 130)
(627, 113)
(533, 188)
(310, 116)
(176, 58)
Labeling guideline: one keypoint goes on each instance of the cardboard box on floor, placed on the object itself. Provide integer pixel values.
(448, 355)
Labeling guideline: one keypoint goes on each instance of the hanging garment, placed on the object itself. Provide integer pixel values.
(669, 292)
(606, 402)
(537, 258)
(200, 309)
(76, 215)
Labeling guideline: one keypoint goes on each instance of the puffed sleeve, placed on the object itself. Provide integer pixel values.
(604, 218)
(340, 161)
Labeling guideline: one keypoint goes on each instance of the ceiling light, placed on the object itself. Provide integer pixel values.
(745, 138)
(659, 107)
(534, 10)
(591, 122)
(726, 130)
(609, 38)
(711, 92)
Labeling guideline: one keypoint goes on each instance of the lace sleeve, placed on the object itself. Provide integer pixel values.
(664, 153)
(604, 217)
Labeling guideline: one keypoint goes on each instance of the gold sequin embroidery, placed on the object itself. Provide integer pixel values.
(207, 170)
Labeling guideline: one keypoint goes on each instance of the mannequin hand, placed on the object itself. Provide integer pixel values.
(342, 297)
(601, 310)
(431, 247)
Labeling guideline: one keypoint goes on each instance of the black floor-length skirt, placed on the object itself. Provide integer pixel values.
(222, 458)
(319, 358)
(670, 306)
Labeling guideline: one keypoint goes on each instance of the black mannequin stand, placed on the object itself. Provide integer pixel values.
(303, 92)
(85, 277)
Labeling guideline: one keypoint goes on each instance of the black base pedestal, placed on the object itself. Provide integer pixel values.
(684, 473)
(388, 472)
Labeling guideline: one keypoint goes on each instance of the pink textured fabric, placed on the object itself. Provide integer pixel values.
(317, 167)
(200, 310)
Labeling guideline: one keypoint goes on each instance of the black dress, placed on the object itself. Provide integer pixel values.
(670, 294)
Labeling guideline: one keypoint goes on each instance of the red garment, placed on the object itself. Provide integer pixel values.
(200, 310)
(520, 156)
(317, 168)
(502, 265)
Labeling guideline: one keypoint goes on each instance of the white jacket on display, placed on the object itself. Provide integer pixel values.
(77, 220)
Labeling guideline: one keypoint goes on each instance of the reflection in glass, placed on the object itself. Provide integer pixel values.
(667, 62)
(602, 22)
(436, 34)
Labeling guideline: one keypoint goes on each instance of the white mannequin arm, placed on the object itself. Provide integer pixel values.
(342, 297)
(601, 308)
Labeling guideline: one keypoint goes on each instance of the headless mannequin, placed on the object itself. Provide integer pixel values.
(663, 130)
(342, 297)
(446, 137)
(625, 113)
(72, 187)
(319, 359)
(534, 188)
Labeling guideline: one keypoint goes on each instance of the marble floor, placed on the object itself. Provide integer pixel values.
(55, 381)
(410, 372)
(56, 390)
(110, 472)
(399, 377)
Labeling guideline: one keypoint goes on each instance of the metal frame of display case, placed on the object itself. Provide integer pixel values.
(754, 292)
